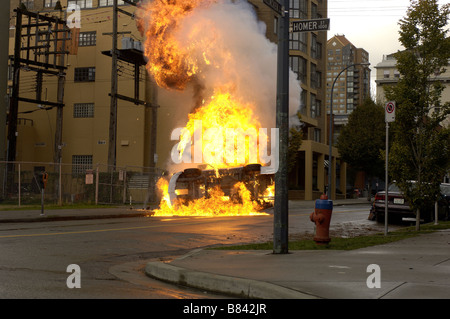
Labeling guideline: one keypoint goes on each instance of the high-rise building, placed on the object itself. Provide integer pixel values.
(352, 86)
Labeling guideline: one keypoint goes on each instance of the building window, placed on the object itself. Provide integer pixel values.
(314, 76)
(106, 3)
(298, 65)
(29, 4)
(317, 135)
(303, 96)
(83, 110)
(314, 11)
(298, 41)
(85, 74)
(87, 39)
(81, 163)
(298, 9)
(313, 106)
(50, 3)
(386, 74)
(275, 25)
(82, 3)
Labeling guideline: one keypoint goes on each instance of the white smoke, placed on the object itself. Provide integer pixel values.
(229, 36)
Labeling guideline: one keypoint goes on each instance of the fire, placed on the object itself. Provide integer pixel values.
(179, 55)
(215, 204)
(168, 61)
(229, 132)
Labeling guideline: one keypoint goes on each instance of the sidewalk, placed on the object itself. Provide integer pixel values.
(413, 268)
(28, 216)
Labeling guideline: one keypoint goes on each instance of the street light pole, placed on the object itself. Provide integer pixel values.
(330, 133)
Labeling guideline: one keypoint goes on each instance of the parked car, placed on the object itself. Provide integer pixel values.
(399, 208)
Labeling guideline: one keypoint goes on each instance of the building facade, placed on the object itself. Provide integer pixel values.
(308, 61)
(387, 74)
(85, 131)
(352, 87)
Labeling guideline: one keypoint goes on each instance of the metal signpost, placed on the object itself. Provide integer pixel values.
(280, 234)
(274, 5)
(280, 227)
(389, 117)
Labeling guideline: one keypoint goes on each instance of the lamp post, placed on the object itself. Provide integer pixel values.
(330, 133)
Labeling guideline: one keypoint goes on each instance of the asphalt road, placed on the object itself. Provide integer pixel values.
(111, 253)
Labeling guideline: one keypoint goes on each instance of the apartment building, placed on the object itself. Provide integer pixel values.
(308, 61)
(352, 86)
(387, 74)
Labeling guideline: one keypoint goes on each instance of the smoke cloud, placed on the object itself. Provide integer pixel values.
(227, 44)
(231, 47)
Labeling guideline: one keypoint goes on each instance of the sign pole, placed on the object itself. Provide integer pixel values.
(280, 227)
(389, 117)
(386, 199)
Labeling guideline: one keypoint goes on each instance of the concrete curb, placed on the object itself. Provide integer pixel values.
(240, 287)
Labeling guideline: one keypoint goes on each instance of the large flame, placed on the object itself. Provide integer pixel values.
(168, 61)
(177, 56)
(215, 204)
(229, 132)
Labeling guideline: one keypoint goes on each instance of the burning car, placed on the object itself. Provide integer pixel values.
(194, 183)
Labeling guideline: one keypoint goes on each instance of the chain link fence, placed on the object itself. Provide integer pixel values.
(77, 183)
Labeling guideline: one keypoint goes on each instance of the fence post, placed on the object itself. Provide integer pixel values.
(96, 186)
(124, 185)
(19, 184)
(60, 184)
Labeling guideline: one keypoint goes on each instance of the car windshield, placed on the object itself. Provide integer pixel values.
(393, 188)
(445, 189)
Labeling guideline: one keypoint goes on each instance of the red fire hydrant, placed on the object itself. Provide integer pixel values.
(322, 217)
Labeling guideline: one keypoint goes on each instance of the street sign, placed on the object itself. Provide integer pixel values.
(390, 112)
(275, 5)
(310, 25)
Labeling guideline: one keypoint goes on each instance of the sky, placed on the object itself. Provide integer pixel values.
(369, 24)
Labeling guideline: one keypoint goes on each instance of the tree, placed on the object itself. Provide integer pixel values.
(420, 153)
(295, 141)
(363, 138)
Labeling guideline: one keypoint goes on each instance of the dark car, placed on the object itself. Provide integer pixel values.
(399, 208)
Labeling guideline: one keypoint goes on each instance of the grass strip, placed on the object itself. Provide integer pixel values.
(347, 243)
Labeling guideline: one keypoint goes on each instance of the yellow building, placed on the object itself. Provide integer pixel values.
(85, 131)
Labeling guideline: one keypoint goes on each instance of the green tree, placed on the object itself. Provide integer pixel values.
(295, 141)
(363, 138)
(421, 146)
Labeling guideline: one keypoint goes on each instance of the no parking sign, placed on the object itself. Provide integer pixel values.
(390, 111)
